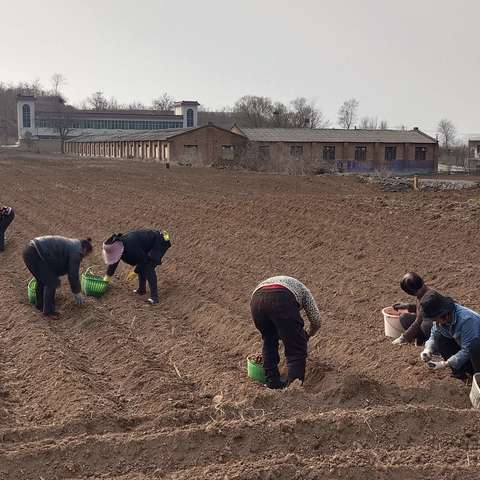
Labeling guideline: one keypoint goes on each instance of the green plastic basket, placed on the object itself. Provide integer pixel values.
(256, 371)
(93, 285)
(31, 291)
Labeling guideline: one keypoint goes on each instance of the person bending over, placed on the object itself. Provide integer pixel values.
(6, 218)
(51, 257)
(275, 305)
(143, 249)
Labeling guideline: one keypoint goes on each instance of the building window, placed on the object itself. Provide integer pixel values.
(264, 152)
(296, 151)
(26, 116)
(390, 153)
(420, 154)
(329, 153)
(360, 153)
(227, 152)
(190, 117)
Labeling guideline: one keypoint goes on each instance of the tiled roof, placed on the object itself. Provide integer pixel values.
(121, 135)
(335, 135)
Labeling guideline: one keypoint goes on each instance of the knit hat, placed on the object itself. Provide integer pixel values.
(112, 249)
(435, 305)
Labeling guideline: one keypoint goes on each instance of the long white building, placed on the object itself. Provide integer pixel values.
(50, 118)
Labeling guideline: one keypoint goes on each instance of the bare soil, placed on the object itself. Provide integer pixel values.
(118, 389)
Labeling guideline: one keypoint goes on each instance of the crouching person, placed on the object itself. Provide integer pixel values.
(51, 257)
(275, 305)
(6, 218)
(143, 249)
(455, 335)
(415, 325)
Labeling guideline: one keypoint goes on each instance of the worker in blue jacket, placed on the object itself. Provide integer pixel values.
(455, 335)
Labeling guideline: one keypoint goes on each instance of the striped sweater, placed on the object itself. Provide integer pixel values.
(303, 296)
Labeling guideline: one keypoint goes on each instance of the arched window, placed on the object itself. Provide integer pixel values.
(189, 117)
(26, 116)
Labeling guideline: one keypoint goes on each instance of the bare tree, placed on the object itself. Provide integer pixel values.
(383, 125)
(281, 116)
(305, 114)
(447, 131)
(368, 123)
(64, 123)
(252, 111)
(97, 101)
(58, 81)
(347, 113)
(164, 102)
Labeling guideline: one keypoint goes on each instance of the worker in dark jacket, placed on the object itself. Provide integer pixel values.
(415, 325)
(143, 249)
(51, 257)
(6, 218)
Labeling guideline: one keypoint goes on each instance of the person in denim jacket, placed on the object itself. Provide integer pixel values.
(455, 335)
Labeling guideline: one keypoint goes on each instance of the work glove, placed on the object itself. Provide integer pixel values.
(401, 306)
(131, 275)
(437, 365)
(426, 355)
(399, 341)
(79, 299)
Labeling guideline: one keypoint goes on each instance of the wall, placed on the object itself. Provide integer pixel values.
(280, 158)
(208, 142)
(22, 131)
(41, 145)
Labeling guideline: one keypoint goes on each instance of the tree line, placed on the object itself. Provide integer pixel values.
(247, 111)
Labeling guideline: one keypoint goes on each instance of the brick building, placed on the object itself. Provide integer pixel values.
(201, 146)
(305, 150)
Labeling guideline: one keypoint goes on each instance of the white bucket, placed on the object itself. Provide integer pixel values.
(475, 391)
(393, 327)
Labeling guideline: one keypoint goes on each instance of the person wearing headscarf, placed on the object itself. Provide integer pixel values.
(143, 249)
(6, 218)
(51, 257)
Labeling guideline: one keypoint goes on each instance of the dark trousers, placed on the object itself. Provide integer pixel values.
(276, 315)
(448, 347)
(5, 222)
(47, 281)
(406, 319)
(146, 272)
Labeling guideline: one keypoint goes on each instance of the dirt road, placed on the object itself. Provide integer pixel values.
(121, 390)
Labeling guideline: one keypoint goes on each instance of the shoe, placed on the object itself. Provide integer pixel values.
(152, 301)
(276, 384)
(140, 291)
(53, 316)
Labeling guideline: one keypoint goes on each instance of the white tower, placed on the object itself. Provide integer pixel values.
(26, 116)
(189, 111)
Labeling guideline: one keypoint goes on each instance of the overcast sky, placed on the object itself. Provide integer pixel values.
(410, 62)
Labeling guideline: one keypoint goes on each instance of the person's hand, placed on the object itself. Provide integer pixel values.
(79, 299)
(399, 341)
(107, 279)
(426, 355)
(437, 365)
(401, 306)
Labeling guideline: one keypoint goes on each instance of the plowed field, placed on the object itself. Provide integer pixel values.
(118, 389)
